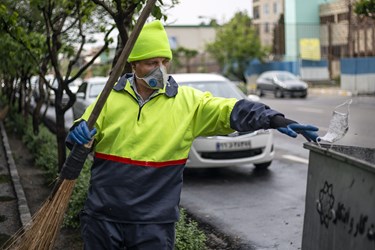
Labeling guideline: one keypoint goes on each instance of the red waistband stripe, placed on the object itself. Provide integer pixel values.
(140, 163)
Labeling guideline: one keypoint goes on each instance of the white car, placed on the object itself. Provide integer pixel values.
(50, 94)
(234, 149)
(87, 93)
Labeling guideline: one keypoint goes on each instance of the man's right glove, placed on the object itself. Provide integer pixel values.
(81, 134)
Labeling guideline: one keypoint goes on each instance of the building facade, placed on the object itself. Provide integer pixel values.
(193, 37)
(266, 17)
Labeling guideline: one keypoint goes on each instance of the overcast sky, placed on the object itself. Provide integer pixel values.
(188, 11)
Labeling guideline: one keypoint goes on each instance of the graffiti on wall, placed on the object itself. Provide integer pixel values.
(339, 214)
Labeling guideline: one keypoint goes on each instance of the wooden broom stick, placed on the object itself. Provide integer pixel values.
(42, 231)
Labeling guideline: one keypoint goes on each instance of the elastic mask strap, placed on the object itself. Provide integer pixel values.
(348, 102)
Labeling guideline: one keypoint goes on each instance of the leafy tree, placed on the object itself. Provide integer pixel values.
(66, 25)
(365, 8)
(236, 44)
(22, 49)
(60, 27)
(124, 14)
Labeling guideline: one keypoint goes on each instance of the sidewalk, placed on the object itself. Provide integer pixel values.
(14, 212)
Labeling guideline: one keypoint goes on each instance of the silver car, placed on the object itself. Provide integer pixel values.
(234, 149)
(86, 94)
(281, 83)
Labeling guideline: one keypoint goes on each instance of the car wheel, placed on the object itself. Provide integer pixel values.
(303, 96)
(262, 166)
(259, 92)
(279, 93)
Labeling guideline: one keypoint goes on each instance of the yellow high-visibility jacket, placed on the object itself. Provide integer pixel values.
(140, 151)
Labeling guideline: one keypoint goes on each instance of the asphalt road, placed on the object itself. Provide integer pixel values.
(265, 210)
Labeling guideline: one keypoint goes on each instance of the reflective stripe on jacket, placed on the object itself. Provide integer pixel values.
(140, 152)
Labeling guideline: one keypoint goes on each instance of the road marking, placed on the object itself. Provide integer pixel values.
(296, 159)
(311, 110)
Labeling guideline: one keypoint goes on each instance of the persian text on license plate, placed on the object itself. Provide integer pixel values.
(230, 146)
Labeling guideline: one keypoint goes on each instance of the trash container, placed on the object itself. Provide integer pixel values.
(340, 198)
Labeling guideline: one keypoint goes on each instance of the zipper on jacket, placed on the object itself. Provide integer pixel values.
(139, 112)
(141, 106)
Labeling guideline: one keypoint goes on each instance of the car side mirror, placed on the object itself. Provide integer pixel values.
(80, 95)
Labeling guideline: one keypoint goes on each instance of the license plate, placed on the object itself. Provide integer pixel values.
(231, 146)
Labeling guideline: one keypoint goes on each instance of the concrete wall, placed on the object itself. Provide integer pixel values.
(358, 75)
(306, 69)
(314, 70)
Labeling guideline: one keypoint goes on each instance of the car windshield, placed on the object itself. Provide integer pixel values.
(218, 89)
(285, 77)
(95, 89)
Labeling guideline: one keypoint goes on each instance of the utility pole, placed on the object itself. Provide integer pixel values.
(350, 34)
(330, 52)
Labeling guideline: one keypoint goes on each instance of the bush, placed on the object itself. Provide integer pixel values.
(188, 236)
(43, 146)
(15, 122)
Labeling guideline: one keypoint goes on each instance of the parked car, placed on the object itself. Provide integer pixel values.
(35, 87)
(50, 94)
(87, 93)
(233, 149)
(73, 86)
(281, 83)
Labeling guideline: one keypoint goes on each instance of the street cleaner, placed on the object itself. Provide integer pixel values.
(141, 142)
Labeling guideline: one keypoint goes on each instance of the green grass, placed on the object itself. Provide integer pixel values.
(4, 178)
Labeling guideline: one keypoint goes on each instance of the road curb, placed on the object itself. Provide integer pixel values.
(330, 91)
(23, 208)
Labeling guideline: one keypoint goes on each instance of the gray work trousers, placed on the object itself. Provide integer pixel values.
(101, 234)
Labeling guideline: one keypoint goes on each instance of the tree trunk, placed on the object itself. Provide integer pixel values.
(40, 101)
(60, 136)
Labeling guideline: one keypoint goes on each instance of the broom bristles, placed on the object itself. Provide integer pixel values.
(41, 232)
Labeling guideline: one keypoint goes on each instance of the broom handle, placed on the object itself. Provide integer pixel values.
(118, 68)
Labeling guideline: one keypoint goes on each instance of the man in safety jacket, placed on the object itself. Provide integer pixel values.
(142, 139)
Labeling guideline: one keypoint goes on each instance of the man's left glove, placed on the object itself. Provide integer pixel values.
(292, 128)
(308, 131)
(81, 133)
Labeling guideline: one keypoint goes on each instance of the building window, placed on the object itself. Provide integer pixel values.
(342, 17)
(275, 10)
(256, 12)
(265, 9)
(327, 19)
(266, 28)
(173, 42)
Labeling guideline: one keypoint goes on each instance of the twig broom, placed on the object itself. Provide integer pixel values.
(41, 232)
